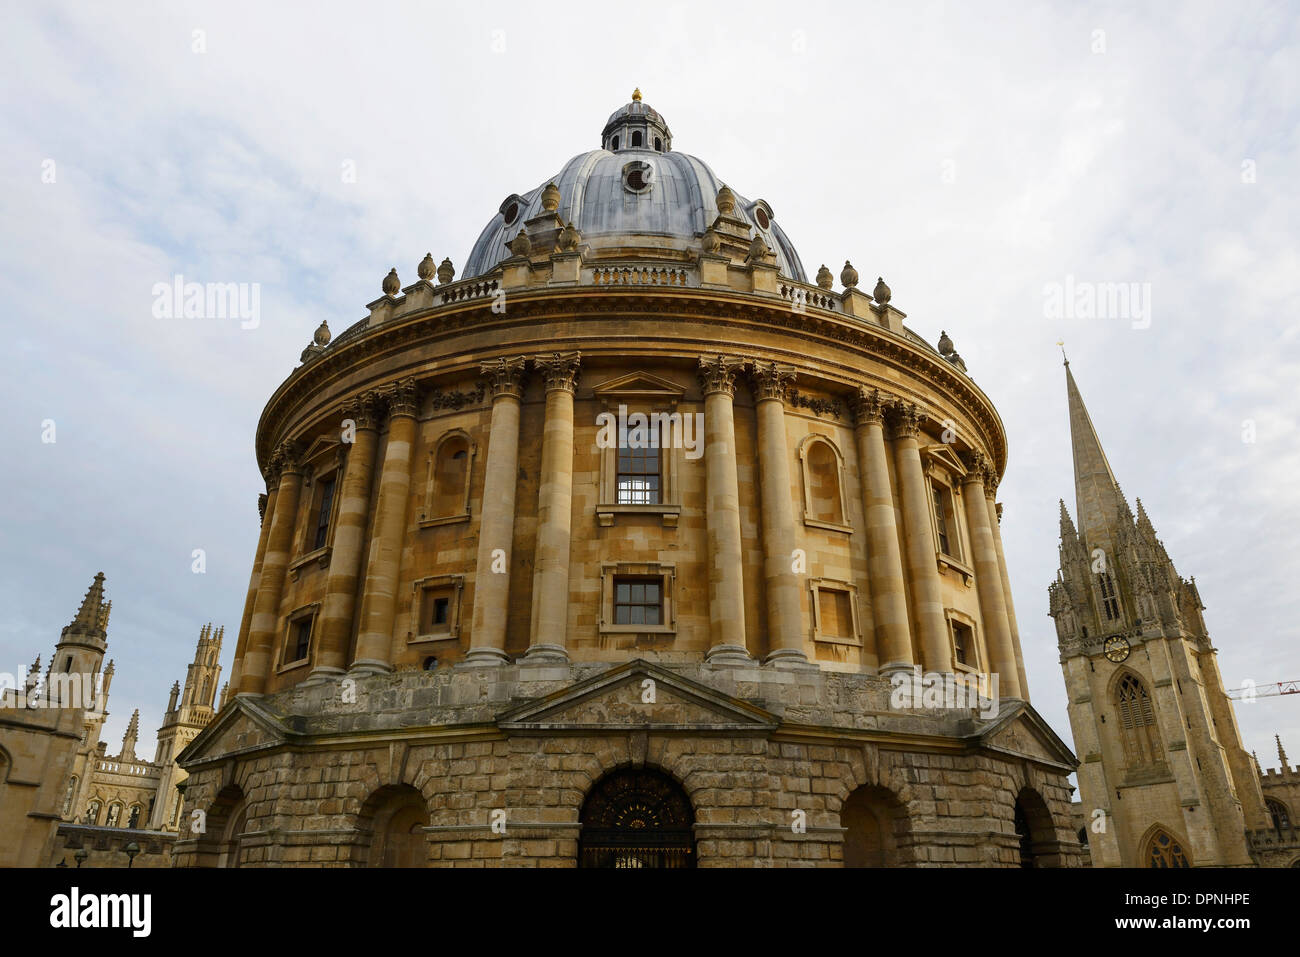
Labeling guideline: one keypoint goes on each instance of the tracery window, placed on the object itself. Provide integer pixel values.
(1137, 722)
(1277, 811)
(1164, 851)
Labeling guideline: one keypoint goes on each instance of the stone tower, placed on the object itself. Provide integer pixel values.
(189, 711)
(1164, 778)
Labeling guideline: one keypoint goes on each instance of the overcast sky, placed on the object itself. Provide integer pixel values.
(972, 154)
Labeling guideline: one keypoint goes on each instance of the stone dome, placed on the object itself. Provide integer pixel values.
(635, 191)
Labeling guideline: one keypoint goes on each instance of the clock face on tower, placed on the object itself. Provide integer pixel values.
(1116, 648)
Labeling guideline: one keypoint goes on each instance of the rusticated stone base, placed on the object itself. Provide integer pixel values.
(497, 764)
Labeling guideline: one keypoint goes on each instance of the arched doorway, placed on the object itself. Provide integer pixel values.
(397, 818)
(637, 817)
(872, 819)
(232, 836)
(1035, 831)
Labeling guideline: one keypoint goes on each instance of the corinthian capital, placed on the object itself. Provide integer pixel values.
(504, 376)
(770, 380)
(904, 421)
(560, 369)
(284, 459)
(403, 398)
(718, 374)
(868, 405)
(364, 409)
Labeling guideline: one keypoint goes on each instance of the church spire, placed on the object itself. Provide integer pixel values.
(92, 613)
(1097, 497)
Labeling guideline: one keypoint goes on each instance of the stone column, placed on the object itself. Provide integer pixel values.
(884, 558)
(995, 523)
(339, 605)
(722, 512)
(988, 579)
(379, 599)
(922, 560)
(497, 524)
(265, 623)
(550, 616)
(266, 509)
(784, 621)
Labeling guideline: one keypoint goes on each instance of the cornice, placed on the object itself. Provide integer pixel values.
(589, 304)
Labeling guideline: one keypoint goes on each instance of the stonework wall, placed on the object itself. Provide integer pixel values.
(471, 743)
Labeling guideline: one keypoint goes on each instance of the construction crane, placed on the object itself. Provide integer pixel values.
(1265, 691)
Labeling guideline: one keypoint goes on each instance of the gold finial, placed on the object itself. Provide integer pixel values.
(636, 95)
(1061, 343)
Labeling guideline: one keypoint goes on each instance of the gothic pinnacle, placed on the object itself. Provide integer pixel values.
(1281, 752)
(91, 606)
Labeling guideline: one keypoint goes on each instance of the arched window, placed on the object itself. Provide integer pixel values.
(447, 495)
(636, 138)
(206, 697)
(873, 822)
(133, 819)
(616, 142)
(1277, 811)
(823, 499)
(92, 812)
(659, 145)
(68, 795)
(114, 816)
(1109, 598)
(1137, 721)
(1164, 851)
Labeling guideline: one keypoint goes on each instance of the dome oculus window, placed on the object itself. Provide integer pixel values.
(762, 214)
(638, 177)
(510, 208)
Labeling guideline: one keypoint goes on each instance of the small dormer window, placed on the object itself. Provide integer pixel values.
(636, 139)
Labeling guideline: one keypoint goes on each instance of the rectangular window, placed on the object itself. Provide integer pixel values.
(326, 498)
(963, 643)
(440, 607)
(300, 639)
(941, 519)
(638, 601)
(638, 478)
(835, 614)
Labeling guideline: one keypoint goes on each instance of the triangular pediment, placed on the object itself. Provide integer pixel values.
(242, 726)
(945, 456)
(639, 385)
(642, 696)
(1020, 730)
(320, 448)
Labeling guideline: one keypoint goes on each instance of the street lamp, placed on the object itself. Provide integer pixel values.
(81, 856)
(132, 850)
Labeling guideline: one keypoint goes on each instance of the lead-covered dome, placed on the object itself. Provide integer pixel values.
(635, 191)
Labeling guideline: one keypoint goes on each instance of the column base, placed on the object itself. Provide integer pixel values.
(896, 668)
(789, 659)
(370, 666)
(729, 655)
(547, 653)
(322, 674)
(484, 658)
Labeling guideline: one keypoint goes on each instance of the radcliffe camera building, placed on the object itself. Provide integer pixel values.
(627, 546)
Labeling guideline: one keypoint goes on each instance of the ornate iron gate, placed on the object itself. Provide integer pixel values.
(637, 818)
